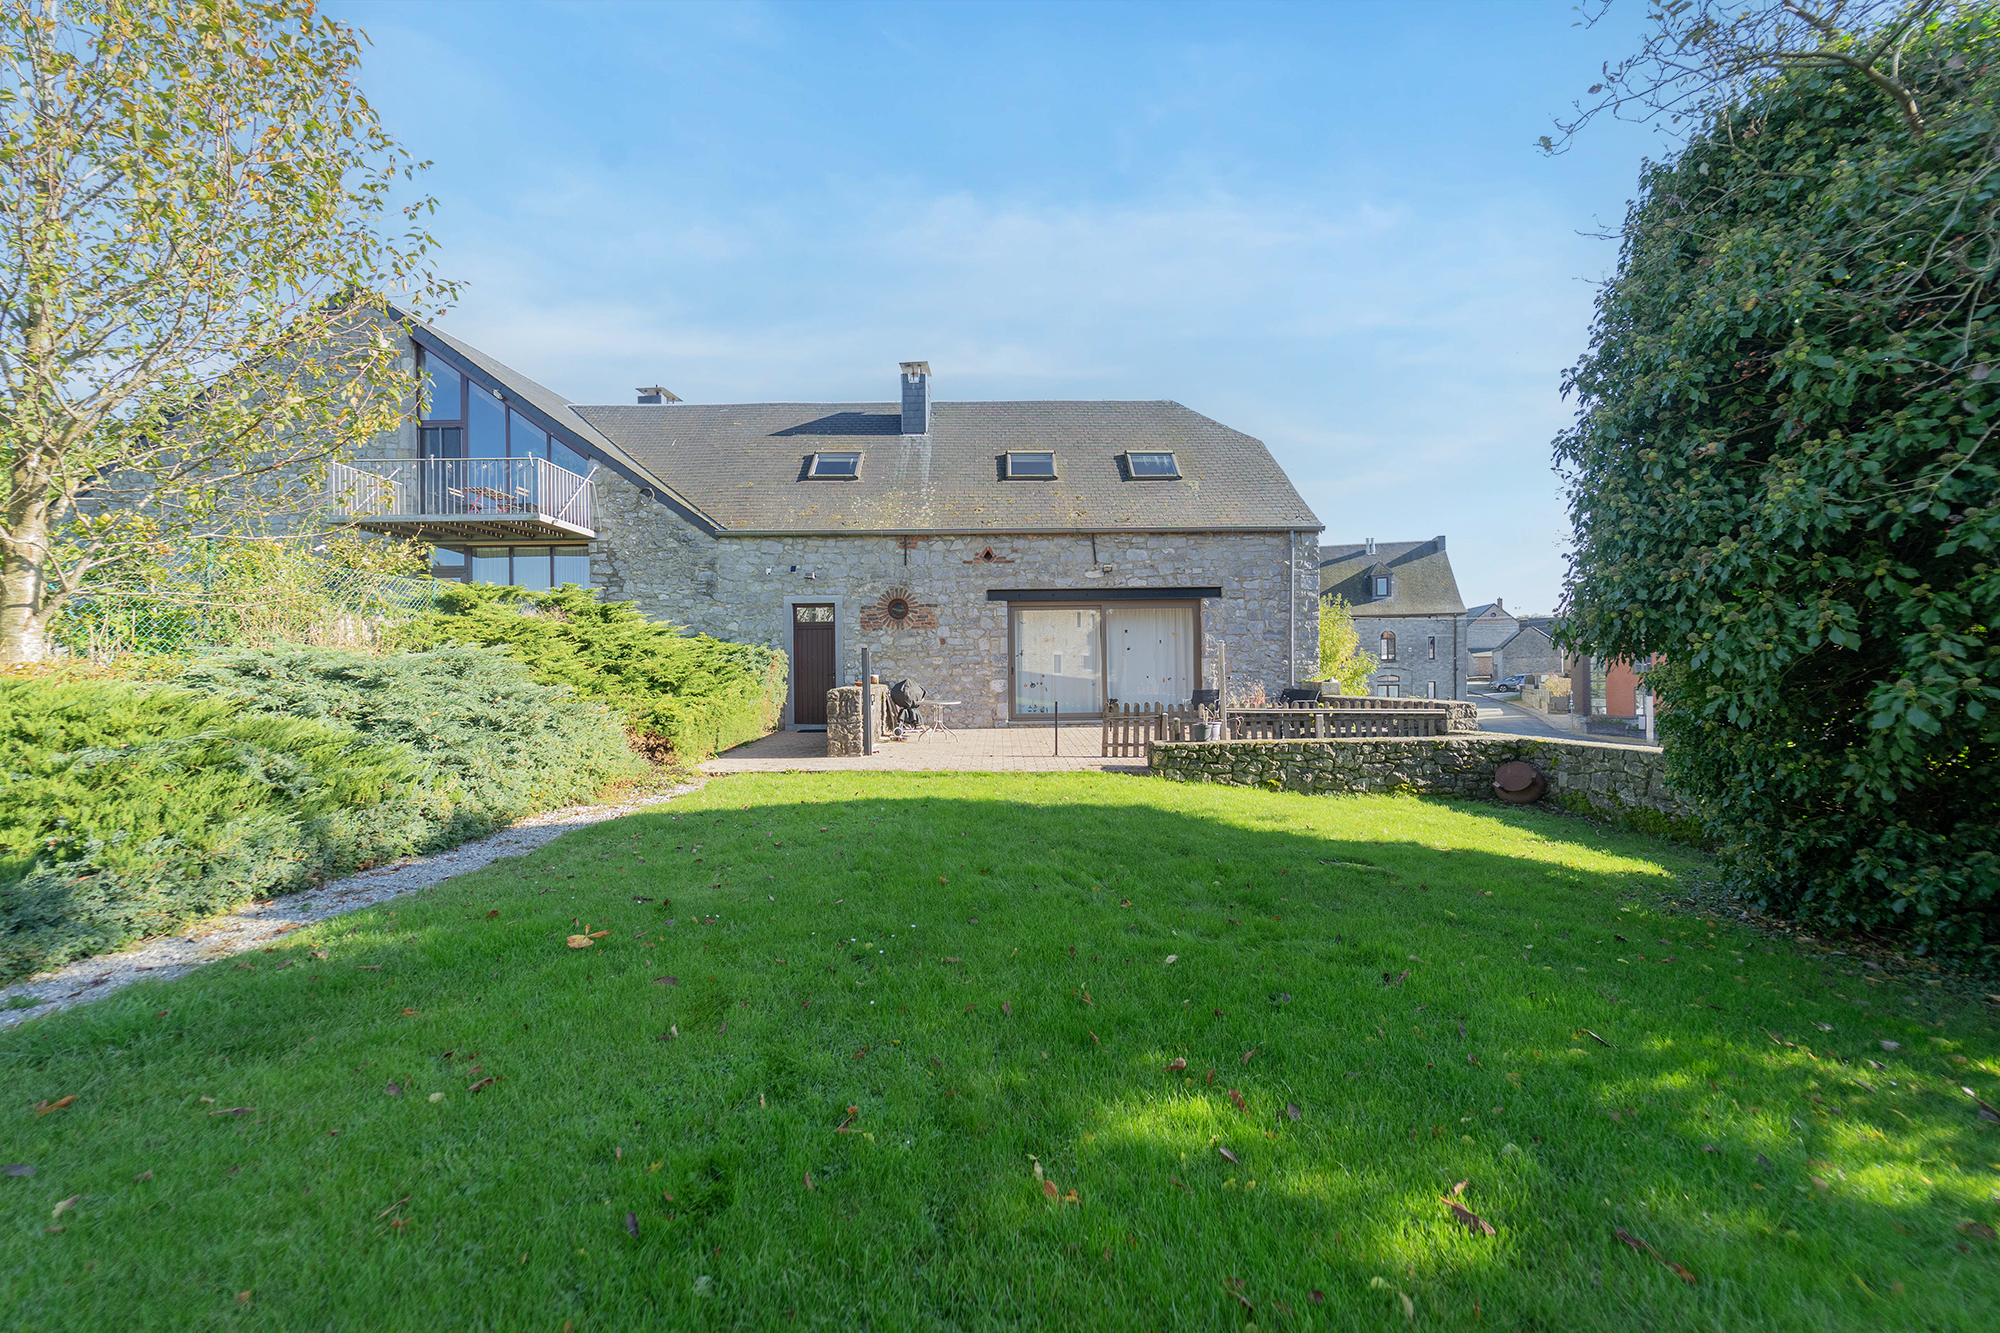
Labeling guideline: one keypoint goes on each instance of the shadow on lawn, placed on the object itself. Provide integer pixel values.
(1592, 1089)
(1579, 1080)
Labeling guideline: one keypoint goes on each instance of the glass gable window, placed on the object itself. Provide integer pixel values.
(567, 458)
(1083, 657)
(1032, 466)
(486, 425)
(836, 467)
(444, 392)
(525, 439)
(1153, 465)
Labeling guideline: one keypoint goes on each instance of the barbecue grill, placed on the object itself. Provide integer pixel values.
(906, 695)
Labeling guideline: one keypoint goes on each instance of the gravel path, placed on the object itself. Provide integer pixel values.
(168, 956)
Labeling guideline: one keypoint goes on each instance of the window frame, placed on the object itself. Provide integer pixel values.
(1380, 586)
(1385, 647)
(463, 572)
(1433, 648)
(511, 406)
(813, 472)
(1104, 610)
(1173, 472)
(1012, 475)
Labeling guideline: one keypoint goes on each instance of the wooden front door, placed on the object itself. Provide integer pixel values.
(812, 664)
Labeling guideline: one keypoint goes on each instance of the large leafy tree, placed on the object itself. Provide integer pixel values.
(197, 245)
(1785, 478)
(1340, 655)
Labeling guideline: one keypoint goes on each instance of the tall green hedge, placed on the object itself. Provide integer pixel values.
(687, 693)
(1785, 480)
(127, 809)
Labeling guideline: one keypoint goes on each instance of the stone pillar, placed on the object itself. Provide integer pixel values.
(843, 722)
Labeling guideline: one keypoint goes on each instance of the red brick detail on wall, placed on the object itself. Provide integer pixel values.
(989, 556)
(882, 615)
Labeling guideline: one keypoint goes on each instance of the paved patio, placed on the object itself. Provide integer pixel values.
(984, 750)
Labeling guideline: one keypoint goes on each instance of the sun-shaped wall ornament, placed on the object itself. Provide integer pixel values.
(899, 609)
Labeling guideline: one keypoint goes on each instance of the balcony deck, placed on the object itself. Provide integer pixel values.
(470, 500)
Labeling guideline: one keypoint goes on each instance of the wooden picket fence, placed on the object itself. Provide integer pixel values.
(1131, 729)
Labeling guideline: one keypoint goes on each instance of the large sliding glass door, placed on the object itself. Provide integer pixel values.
(1057, 661)
(1081, 656)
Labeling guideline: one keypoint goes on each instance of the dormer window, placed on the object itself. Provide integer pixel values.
(1149, 467)
(1031, 465)
(1381, 585)
(835, 467)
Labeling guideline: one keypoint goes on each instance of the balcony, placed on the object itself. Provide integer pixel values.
(465, 499)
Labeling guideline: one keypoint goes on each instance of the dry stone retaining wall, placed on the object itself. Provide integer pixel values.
(1621, 783)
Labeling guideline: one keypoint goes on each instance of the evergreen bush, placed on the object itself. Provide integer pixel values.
(130, 809)
(685, 693)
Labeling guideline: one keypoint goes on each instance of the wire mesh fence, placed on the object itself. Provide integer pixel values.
(212, 604)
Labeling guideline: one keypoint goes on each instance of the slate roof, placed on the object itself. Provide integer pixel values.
(1529, 625)
(1422, 581)
(744, 464)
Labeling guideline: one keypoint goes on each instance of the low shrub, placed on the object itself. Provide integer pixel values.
(129, 809)
(689, 693)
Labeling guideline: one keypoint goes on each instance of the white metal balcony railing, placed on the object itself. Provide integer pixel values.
(476, 490)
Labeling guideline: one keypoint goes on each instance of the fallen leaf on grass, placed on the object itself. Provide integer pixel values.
(1465, 1217)
(1247, 1054)
(599, 934)
(486, 1082)
(367, 967)
(235, 1110)
(391, 1090)
(809, 1181)
(1892, 1045)
(65, 1205)
(1177, 1065)
(1049, 1189)
(666, 981)
(1986, 1111)
(1175, 1183)
(632, 1225)
(17, 1169)
(1316, 1296)
(580, 941)
(1237, 1097)
(1643, 1248)
(143, 1175)
(242, 1298)
(1292, 1111)
(43, 1108)
(1978, 1229)
(392, 1208)
(1388, 980)
(1006, 1008)
(1094, 1041)
(1593, 1036)
(1173, 958)
(1230, 1157)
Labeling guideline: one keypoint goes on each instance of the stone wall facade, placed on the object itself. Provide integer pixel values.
(843, 722)
(955, 641)
(1621, 783)
(1430, 662)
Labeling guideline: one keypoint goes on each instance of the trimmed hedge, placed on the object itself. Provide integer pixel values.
(130, 809)
(689, 693)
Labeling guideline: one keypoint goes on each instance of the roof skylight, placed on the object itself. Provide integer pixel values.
(836, 466)
(1155, 465)
(1031, 465)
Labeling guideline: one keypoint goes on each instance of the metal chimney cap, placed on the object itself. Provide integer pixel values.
(915, 368)
(657, 394)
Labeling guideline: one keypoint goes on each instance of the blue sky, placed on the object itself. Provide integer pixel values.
(1323, 224)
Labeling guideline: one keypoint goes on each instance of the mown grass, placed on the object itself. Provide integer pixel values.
(979, 965)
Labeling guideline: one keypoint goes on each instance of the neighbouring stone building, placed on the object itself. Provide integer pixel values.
(1530, 648)
(1486, 628)
(1012, 557)
(1407, 612)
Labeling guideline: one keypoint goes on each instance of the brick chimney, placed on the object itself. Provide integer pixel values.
(916, 397)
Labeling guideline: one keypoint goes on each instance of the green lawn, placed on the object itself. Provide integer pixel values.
(971, 975)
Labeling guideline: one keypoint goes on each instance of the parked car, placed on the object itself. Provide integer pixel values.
(1511, 685)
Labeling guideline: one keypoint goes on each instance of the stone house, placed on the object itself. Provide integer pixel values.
(1407, 611)
(1529, 649)
(1014, 558)
(1486, 628)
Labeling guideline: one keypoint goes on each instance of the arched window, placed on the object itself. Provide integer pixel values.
(1388, 646)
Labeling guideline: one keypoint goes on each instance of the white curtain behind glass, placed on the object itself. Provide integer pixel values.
(1152, 655)
(1056, 661)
